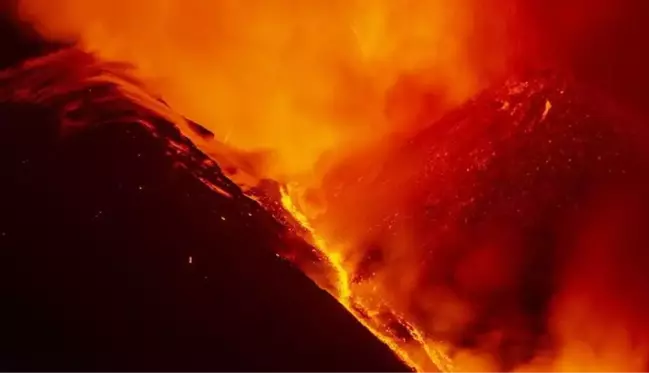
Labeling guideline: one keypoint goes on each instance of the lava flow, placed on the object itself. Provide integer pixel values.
(408, 345)
(467, 274)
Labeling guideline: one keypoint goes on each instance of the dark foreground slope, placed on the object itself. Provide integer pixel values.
(115, 256)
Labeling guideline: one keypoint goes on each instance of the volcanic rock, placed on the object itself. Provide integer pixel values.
(125, 248)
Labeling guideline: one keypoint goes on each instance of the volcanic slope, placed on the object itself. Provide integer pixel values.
(125, 248)
(478, 229)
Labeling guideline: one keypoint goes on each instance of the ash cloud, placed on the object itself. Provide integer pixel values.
(300, 79)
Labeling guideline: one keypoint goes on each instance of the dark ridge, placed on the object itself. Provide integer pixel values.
(116, 256)
(200, 130)
(18, 41)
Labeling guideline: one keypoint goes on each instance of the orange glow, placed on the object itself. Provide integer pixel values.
(316, 95)
(299, 80)
(416, 352)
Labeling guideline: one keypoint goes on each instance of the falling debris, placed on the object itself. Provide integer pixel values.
(548, 106)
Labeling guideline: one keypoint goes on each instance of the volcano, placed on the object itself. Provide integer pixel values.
(506, 235)
(126, 248)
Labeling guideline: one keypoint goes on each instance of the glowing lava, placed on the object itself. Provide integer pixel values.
(414, 351)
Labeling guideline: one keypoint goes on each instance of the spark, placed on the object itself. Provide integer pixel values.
(226, 138)
(548, 106)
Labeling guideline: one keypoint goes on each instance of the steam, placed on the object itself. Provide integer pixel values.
(299, 79)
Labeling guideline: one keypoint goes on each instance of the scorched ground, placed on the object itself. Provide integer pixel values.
(125, 248)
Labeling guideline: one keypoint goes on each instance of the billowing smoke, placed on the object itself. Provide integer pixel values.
(303, 79)
(299, 79)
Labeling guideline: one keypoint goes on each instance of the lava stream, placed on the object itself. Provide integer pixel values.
(414, 350)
